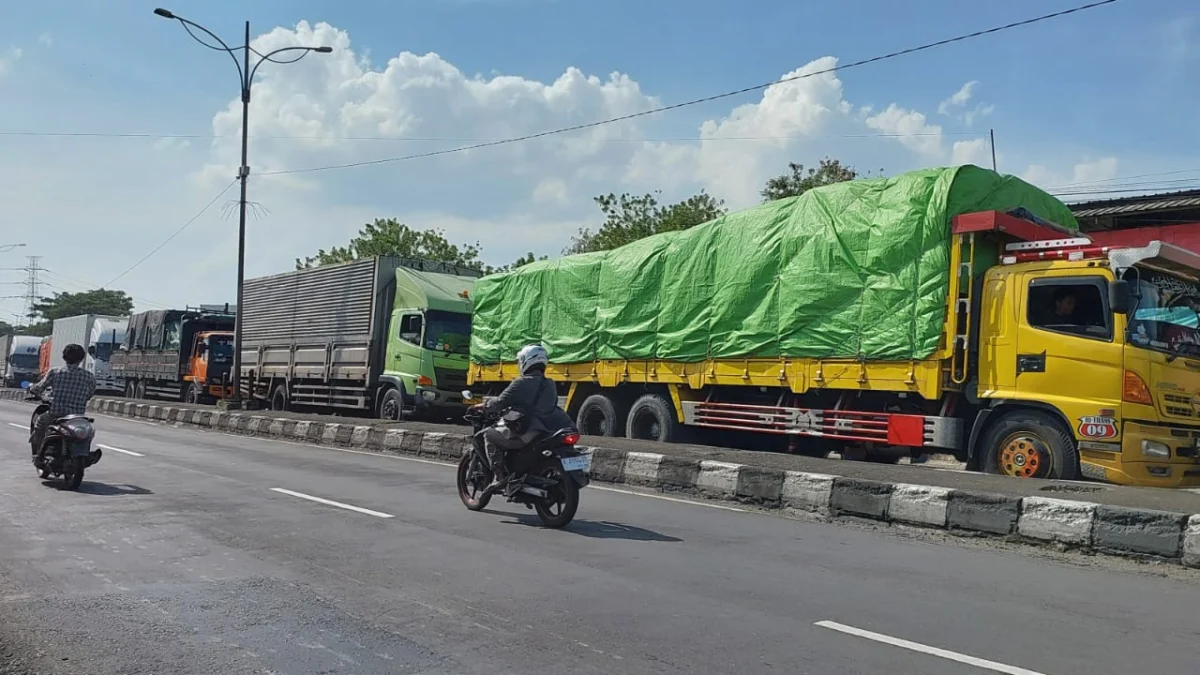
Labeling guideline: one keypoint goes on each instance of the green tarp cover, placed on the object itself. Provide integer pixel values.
(858, 269)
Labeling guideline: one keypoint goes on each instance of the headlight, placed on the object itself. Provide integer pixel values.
(429, 395)
(1156, 449)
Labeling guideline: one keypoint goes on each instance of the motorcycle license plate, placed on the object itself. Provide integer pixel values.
(577, 463)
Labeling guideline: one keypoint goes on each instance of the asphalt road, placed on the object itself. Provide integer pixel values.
(181, 554)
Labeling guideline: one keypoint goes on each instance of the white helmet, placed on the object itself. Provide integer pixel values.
(530, 356)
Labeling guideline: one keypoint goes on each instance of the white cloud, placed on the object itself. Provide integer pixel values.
(910, 128)
(959, 98)
(8, 58)
(514, 198)
(45, 40)
(1070, 178)
(976, 151)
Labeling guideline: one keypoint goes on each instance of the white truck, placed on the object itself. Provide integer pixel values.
(21, 361)
(100, 335)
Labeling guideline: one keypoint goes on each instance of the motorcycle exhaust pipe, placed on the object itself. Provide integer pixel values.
(536, 492)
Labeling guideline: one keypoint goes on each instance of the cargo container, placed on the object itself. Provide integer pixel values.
(381, 336)
(946, 310)
(100, 335)
(180, 355)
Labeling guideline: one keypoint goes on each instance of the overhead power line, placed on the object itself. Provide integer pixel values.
(705, 99)
(176, 233)
(1122, 179)
(452, 139)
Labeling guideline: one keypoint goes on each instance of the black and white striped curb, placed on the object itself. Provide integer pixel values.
(1100, 528)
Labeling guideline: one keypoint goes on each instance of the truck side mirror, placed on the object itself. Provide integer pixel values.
(92, 350)
(1120, 296)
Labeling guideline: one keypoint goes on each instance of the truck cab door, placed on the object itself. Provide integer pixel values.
(404, 342)
(1069, 352)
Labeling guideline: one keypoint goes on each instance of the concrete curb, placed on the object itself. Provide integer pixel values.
(1110, 530)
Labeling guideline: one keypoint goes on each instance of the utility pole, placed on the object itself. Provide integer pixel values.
(992, 137)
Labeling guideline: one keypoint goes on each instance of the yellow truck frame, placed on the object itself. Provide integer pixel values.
(1000, 393)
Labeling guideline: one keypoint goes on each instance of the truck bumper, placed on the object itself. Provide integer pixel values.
(429, 398)
(1141, 459)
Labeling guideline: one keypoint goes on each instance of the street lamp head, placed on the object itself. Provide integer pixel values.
(164, 13)
(322, 50)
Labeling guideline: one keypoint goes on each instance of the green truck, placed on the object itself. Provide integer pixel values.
(383, 336)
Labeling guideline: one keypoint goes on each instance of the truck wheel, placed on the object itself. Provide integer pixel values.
(193, 394)
(140, 392)
(392, 406)
(1030, 444)
(279, 399)
(599, 415)
(652, 418)
(130, 389)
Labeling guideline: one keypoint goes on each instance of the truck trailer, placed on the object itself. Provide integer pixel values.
(383, 336)
(179, 355)
(945, 310)
(100, 335)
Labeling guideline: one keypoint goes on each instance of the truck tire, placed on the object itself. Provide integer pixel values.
(140, 390)
(1030, 444)
(194, 395)
(600, 415)
(391, 407)
(130, 388)
(652, 418)
(279, 399)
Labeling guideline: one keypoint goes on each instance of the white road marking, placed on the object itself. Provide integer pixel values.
(19, 426)
(120, 450)
(925, 649)
(330, 502)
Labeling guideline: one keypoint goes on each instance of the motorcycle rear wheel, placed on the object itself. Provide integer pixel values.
(73, 473)
(564, 496)
(470, 489)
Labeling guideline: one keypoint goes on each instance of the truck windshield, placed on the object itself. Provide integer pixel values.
(25, 361)
(220, 349)
(448, 328)
(104, 351)
(1165, 316)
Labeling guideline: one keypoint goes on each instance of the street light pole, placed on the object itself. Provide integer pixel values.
(5, 248)
(245, 80)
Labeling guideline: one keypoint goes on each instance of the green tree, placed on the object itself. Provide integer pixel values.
(393, 238)
(99, 301)
(798, 180)
(628, 218)
(6, 328)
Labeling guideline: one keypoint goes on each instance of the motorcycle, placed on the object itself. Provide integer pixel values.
(545, 476)
(66, 449)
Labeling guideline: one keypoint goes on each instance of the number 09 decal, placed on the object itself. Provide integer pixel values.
(1096, 427)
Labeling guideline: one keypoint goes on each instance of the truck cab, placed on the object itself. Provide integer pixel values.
(429, 340)
(1091, 353)
(24, 362)
(209, 365)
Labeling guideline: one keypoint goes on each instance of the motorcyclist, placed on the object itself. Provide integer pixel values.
(72, 386)
(535, 396)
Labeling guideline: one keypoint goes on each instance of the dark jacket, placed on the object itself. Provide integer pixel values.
(536, 397)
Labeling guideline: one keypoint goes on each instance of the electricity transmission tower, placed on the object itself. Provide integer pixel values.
(32, 285)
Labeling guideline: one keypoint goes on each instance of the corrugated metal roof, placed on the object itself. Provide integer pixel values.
(1145, 203)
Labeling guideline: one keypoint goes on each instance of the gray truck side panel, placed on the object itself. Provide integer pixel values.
(319, 325)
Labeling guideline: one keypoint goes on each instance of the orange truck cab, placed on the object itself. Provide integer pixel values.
(209, 366)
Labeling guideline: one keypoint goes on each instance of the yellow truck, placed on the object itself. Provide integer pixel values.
(947, 310)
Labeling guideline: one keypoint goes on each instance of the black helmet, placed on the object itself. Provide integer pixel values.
(73, 354)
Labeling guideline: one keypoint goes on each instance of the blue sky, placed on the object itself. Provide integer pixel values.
(1096, 96)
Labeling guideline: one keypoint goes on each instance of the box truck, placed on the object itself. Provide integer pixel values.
(382, 336)
(100, 335)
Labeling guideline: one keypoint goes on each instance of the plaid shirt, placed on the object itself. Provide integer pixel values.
(71, 387)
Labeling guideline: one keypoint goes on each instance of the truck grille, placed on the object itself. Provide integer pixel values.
(449, 379)
(1177, 405)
